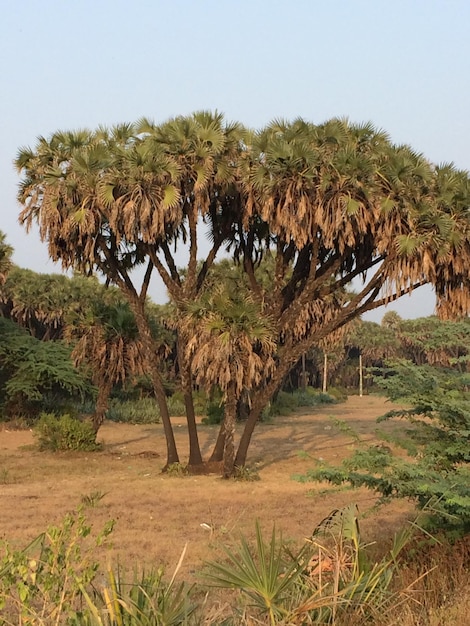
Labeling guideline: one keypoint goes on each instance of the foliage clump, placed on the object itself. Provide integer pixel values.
(286, 403)
(63, 432)
(43, 583)
(141, 411)
(29, 369)
(428, 458)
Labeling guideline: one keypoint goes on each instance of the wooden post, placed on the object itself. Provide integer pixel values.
(325, 372)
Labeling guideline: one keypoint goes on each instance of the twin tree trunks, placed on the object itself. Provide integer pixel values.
(303, 209)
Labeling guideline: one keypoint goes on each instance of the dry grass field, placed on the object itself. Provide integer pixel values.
(156, 514)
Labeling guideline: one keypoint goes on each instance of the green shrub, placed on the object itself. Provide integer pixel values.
(338, 394)
(64, 432)
(314, 397)
(433, 465)
(42, 584)
(142, 411)
(176, 406)
(146, 600)
(331, 580)
(286, 403)
(200, 402)
(214, 413)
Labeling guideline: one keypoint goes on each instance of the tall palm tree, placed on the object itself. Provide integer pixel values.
(66, 188)
(340, 202)
(231, 346)
(331, 202)
(200, 158)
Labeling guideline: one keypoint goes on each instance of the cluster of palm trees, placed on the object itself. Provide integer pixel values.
(321, 204)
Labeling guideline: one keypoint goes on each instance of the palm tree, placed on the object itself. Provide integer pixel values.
(66, 188)
(331, 203)
(5, 258)
(158, 188)
(340, 201)
(232, 347)
(107, 340)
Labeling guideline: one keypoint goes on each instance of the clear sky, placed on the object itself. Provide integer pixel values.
(68, 64)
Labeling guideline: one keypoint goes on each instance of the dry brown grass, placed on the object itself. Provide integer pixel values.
(436, 580)
(156, 515)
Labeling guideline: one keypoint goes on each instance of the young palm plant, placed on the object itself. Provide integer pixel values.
(330, 580)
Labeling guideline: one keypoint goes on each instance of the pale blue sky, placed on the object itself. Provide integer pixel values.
(402, 64)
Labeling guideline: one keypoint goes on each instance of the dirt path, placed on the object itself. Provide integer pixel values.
(157, 515)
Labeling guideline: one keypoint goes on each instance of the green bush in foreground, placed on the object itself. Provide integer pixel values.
(43, 583)
(63, 432)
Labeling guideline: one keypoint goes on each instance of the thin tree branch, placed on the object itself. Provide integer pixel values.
(174, 287)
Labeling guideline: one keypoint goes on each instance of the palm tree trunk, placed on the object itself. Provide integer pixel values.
(157, 382)
(195, 456)
(325, 372)
(218, 451)
(360, 376)
(261, 399)
(230, 415)
(104, 390)
(245, 440)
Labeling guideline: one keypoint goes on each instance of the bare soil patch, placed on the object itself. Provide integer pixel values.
(156, 515)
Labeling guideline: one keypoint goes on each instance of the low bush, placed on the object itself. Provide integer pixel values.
(286, 403)
(63, 432)
(338, 394)
(176, 406)
(146, 411)
(43, 583)
(214, 413)
(427, 457)
(141, 411)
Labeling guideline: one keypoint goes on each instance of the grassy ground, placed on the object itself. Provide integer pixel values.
(157, 515)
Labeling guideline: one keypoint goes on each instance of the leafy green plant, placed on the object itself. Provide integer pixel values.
(149, 600)
(286, 403)
(176, 406)
(92, 499)
(177, 470)
(330, 580)
(139, 411)
(337, 394)
(246, 474)
(214, 413)
(435, 436)
(264, 573)
(30, 368)
(63, 432)
(42, 584)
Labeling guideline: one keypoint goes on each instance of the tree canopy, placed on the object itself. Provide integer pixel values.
(329, 203)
